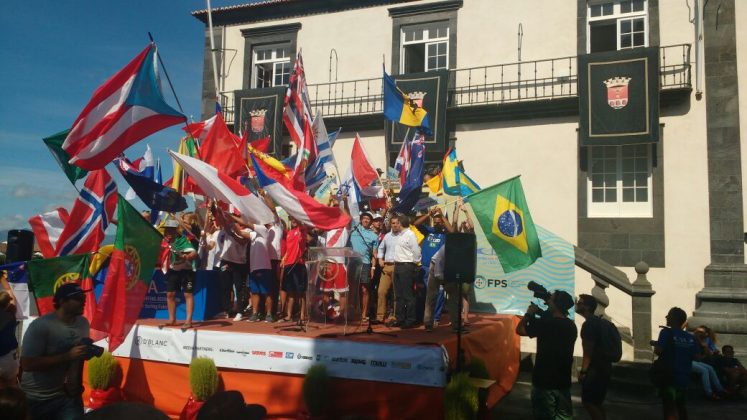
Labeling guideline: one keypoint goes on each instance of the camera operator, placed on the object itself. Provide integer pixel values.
(52, 357)
(556, 335)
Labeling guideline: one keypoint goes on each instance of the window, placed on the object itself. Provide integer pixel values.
(272, 66)
(617, 25)
(619, 181)
(425, 47)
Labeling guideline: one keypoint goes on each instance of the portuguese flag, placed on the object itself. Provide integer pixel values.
(135, 253)
(46, 275)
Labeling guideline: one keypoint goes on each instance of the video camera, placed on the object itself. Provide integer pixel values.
(539, 291)
(92, 350)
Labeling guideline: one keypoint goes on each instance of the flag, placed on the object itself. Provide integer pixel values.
(364, 172)
(297, 119)
(410, 192)
(143, 167)
(47, 275)
(92, 211)
(17, 275)
(435, 184)
(402, 164)
(223, 149)
(297, 203)
(156, 215)
(503, 214)
(179, 181)
(219, 185)
(269, 160)
(348, 186)
(54, 144)
(398, 107)
(129, 275)
(124, 110)
(324, 143)
(47, 228)
(157, 197)
(455, 181)
(199, 130)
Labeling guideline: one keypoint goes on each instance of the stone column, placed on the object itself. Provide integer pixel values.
(722, 304)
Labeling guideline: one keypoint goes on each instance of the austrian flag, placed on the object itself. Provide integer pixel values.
(122, 111)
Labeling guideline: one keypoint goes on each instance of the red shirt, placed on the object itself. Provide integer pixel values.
(294, 246)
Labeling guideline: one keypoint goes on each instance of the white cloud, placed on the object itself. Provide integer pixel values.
(13, 221)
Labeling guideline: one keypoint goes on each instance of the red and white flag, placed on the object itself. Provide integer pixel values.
(223, 149)
(221, 186)
(364, 172)
(47, 228)
(298, 120)
(124, 110)
(199, 130)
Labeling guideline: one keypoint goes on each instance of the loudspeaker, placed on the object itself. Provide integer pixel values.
(20, 245)
(460, 259)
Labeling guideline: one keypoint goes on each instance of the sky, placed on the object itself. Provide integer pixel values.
(54, 55)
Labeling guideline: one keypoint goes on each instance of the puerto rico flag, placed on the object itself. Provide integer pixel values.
(122, 111)
(92, 211)
(47, 228)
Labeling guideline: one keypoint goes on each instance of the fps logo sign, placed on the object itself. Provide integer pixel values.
(482, 283)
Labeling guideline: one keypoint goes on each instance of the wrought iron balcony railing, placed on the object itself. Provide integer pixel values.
(496, 84)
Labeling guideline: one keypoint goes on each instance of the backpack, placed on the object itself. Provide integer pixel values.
(610, 343)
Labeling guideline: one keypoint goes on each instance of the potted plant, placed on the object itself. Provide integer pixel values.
(203, 381)
(315, 391)
(460, 398)
(102, 378)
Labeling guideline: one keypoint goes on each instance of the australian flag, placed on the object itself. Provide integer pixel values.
(155, 195)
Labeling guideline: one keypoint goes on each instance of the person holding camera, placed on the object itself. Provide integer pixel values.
(52, 355)
(556, 335)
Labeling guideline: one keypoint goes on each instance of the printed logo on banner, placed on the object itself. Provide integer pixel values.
(275, 354)
(259, 353)
(617, 91)
(304, 357)
(288, 354)
(340, 359)
(150, 342)
(378, 363)
(481, 282)
(358, 361)
(402, 365)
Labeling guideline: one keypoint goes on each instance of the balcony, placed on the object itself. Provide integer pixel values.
(499, 84)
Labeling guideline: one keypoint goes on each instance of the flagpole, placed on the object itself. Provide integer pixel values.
(168, 79)
(212, 49)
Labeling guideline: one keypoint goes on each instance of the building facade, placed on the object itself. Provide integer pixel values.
(511, 78)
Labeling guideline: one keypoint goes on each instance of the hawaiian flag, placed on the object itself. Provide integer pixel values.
(47, 228)
(122, 111)
(298, 121)
(92, 211)
(296, 203)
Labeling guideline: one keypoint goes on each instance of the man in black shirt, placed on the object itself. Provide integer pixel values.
(596, 368)
(551, 378)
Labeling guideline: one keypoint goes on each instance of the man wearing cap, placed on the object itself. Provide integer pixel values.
(181, 274)
(556, 335)
(52, 357)
(364, 241)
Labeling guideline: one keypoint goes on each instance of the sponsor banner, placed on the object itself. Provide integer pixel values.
(415, 365)
(498, 292)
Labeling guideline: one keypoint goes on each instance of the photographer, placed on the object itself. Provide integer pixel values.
(52, 357)
(556, 335)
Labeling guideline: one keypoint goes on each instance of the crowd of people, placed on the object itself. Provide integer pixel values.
(398, 276)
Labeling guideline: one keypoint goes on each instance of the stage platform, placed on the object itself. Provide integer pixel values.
(376, 376)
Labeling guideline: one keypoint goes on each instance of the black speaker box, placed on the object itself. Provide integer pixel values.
(460, 257)
(20, 245)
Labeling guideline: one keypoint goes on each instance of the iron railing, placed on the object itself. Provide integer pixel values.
(495, 84)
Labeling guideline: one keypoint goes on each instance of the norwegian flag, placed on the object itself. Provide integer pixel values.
(124, 110)
(47, 228)
(298, 120)
(92, 211)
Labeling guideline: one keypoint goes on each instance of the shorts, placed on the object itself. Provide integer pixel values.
(295, 278)
(333, 278)
(180, 280)
(364, 275)
(261, 282)
(594, 387)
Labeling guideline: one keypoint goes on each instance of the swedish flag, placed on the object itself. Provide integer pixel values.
(398, 107)
(504, 217)
(455, 181)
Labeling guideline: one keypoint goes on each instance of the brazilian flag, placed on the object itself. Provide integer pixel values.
(504, 217)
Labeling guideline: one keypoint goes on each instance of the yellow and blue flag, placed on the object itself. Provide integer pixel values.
(455, 181)
(398, 107)
(504, 217)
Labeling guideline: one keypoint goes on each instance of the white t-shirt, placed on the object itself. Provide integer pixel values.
(233, 250)
(275, 236)
(218, 238)
(259, 254)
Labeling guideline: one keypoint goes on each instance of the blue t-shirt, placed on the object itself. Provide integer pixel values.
(685, 349)
(363, 241)
(432, 242)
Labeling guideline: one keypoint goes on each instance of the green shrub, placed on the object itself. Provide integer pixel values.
(102, 370)
(460, 398)
(316, 390)
(477, 369)
(203, 378)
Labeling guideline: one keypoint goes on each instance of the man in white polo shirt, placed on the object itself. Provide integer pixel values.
(406, 260)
